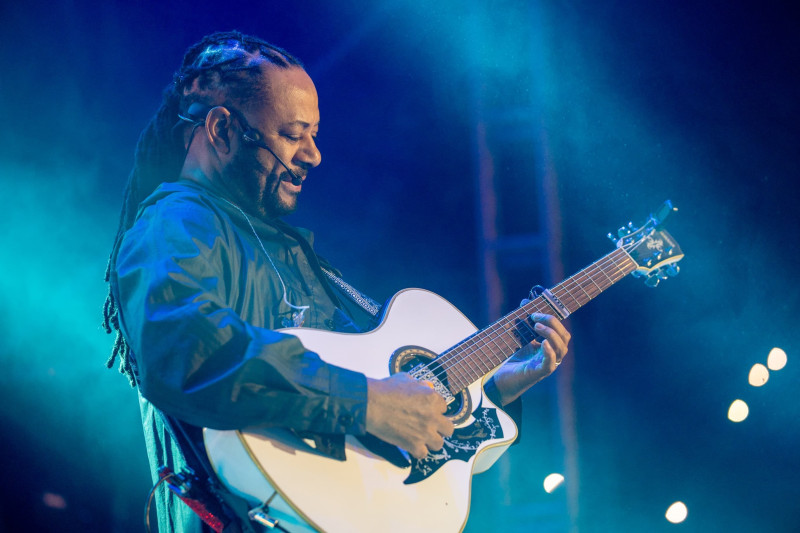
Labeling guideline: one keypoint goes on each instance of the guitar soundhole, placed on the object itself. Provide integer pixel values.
(408, 358)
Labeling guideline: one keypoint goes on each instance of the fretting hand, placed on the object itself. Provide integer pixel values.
(535, 361)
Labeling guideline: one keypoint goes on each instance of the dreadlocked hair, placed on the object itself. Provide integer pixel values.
(222, 67)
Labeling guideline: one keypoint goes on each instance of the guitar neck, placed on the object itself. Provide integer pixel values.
(482, 352)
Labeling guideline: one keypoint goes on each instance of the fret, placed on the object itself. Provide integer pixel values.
(488, 348)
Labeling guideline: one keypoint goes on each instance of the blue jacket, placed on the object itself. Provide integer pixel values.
(199, 305)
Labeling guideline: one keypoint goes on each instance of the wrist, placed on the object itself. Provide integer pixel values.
(514, 378)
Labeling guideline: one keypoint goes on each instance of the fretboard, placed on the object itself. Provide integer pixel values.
(485, 350)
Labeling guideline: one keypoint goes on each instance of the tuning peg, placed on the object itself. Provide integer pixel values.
(672, 270)
(613, 239)
(652, 281)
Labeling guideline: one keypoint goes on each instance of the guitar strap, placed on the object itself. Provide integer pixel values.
(359, 298)
(320, 265)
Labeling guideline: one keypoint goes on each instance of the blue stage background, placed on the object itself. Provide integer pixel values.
(693, 101)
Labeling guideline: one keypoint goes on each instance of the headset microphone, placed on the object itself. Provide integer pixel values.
(250, 135)
(253, 137)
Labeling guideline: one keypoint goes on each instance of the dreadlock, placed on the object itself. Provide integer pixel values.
(223, 66)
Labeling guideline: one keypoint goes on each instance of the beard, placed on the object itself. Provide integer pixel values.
(258, 189)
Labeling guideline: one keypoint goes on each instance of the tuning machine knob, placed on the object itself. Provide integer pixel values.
(652, 281)
(672, 270)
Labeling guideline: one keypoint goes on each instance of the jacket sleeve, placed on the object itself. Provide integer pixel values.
(196, 359)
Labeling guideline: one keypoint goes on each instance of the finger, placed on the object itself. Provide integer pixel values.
(552, 338)
(552, 360)
(553, 323)
(556, 343)
(419, 452)
(551, 329)
(445, 427)
(441, 403)
(435, 443)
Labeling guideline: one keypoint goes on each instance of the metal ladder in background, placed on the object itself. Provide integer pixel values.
(519, 234)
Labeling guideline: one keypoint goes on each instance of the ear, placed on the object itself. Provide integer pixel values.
(218, 129)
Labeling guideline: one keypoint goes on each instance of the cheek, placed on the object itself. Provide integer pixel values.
(262, 173)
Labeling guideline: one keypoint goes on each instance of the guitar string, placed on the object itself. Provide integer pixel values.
(467, 348)
(567, 287)
(498, 330)
(578, 280)
(453, 358)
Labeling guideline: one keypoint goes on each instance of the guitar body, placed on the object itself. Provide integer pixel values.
(367, 493)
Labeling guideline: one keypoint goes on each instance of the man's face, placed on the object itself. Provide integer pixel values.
(288, 123)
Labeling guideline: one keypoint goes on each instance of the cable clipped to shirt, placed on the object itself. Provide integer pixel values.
(298, 317)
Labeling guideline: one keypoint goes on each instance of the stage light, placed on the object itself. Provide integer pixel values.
(758, 375)
(738, 411)
(677, 512)
(776, 359)
(552, 482)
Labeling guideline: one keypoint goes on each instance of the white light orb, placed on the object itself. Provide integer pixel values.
(776, 359)
(758, 375)
(552, 482)
(738, 411)
(677, 512)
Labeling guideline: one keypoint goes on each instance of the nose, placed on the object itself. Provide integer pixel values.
(309, 153)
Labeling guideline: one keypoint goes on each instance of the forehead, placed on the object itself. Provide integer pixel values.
(290, 96)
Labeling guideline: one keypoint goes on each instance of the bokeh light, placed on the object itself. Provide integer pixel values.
(776, 359)
(677, 512)
(738, 411)
(552, 482)
(758, 375)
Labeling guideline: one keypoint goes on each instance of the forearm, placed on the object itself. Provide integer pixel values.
(255, 377)
(512, 380)
(178, 280)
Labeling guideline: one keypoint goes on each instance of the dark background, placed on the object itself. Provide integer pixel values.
(639, 101)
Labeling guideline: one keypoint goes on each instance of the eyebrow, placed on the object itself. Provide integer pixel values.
(301, 123)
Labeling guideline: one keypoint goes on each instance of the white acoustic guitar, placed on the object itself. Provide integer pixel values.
(377, 490)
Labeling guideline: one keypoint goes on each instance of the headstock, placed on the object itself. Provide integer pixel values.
(653, 249)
